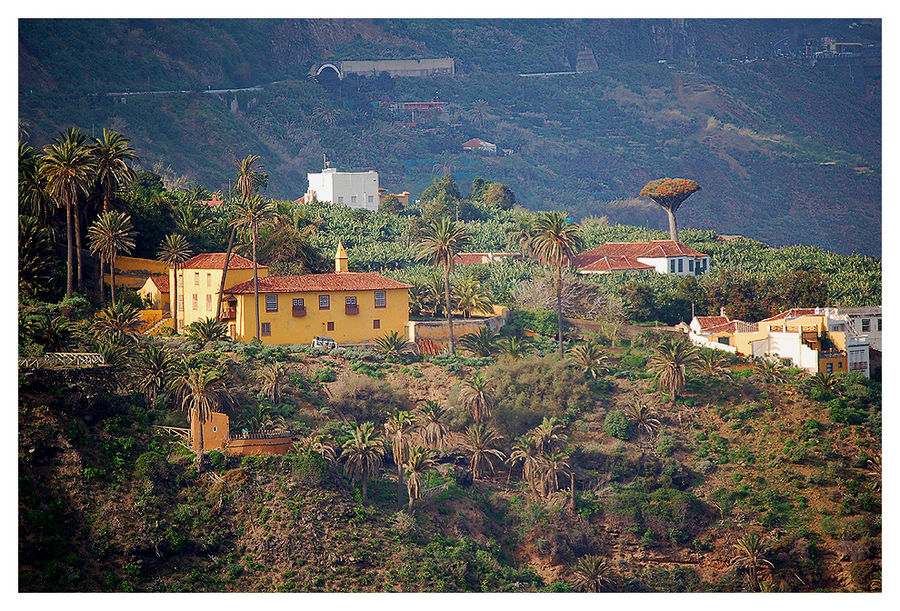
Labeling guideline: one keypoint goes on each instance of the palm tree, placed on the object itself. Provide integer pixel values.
(555, 464)
(392, 343)
(441, 240)
(481, 342)
(153, 369)
(713, 363)
(430, 422)
(111, 154)
(68, 171)
(749, 557)
(477, 397)
(35, 248)
(207, 330)
(272, 377)
(249, 177)
(555, 243)
(362, 454)
(643, 417)
(671, 361)
(318, 443)
(547, 436)
(480, 443)
(252, 213)
(824, 381)
(419, 462)
(398, 429)
(471, 297)
(33, 199)
(591, 574)
(514, 346)
(109, 235)
(525, 451)
(479, 108)
(174, 250)
(588, 357)
(521, 237)
(202, 390)
(771, 370)
(119, 321)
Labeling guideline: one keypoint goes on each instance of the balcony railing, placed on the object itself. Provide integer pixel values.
(229, 314)
(298, 311)
(351, 309)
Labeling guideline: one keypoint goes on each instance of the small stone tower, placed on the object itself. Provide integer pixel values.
(341, 263)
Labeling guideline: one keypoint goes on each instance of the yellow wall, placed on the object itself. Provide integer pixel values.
(348, 328)
(838, 363)
(215, 432)
(210, 287)
(133, 271)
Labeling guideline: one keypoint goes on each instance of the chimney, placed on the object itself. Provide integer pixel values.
(722, 312)
(340, 259)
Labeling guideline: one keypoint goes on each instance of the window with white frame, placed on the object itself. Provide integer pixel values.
(271, 303)
(324, 302)
(380, 299)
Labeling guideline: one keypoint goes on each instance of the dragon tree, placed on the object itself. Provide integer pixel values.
(670, 193)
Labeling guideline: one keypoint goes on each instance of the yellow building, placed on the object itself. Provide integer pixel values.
(349, 307)
(199, 279)
(155, 292)
(132, 272)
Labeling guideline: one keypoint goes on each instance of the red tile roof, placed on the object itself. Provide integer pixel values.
(161, 282)
(706, 322)
(732, 326)
(614, 264)
(653, 249)
(343, 281)
(792, 313)
(216, 260)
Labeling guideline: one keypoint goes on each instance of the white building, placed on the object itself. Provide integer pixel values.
(351, 189)
(665, 256)
(856, 322)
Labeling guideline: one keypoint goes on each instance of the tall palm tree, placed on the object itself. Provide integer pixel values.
(252, 213)
(173, 251)
(480, 443)
(272, 377)
(477, 397)
(398, 429)
(35, 249)
(109, 235)
(430, 423)
(521, 237)
(555, 464)
(153, 369)
(419, 462)
(591, 574)
(547, 435)
(555, 243)
(671, 361)
(202, 390)
(589, 357)
(68, 171)
(525, 451)
(33, 198)
(249, 178)
(362, 454)
(749, 552)
(441, 239)
(112, 152)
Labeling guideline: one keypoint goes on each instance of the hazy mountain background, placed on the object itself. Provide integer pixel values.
(788, 150)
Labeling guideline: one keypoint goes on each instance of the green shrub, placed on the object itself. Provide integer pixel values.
(540, 321)
(366, 399)
(525, 390)
(216, 459)
(841, 412)
(616, 425)
(666, 444)
(324, 374)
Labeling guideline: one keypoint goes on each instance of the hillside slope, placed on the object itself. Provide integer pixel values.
(787, 152)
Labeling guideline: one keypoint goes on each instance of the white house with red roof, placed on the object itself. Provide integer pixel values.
(477, 144)
(663, 256)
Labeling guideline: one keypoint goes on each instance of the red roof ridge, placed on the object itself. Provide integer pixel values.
(303, 283)
(789, 313)
(216, 260)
